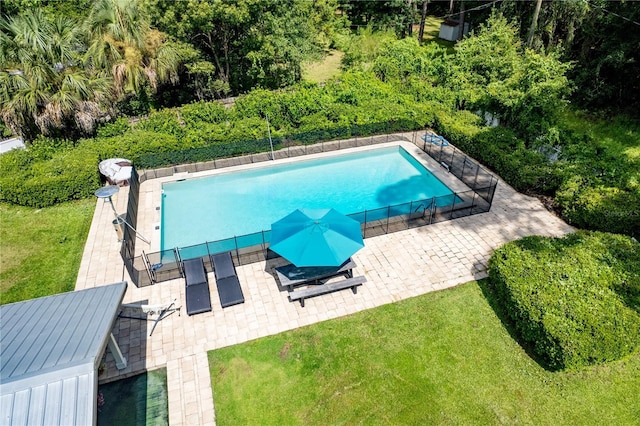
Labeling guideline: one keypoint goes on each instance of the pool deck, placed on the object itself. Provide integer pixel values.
(397, 266)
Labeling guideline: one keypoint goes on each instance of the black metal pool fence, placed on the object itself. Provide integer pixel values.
(151, 268)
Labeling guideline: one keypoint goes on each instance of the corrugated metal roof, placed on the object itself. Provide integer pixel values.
(49, 353)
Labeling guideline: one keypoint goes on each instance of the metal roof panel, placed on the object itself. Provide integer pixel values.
(49, 351)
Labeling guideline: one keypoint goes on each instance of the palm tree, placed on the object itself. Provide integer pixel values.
(43, 86)
(122, 44)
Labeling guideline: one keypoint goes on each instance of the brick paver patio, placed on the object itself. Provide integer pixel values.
(397, 266)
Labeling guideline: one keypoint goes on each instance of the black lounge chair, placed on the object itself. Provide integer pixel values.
(197, 286)
(227, 281)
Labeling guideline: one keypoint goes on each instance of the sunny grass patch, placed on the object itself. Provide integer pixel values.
(324, 69)
(432, 33)
(41, 248)
(441, 358)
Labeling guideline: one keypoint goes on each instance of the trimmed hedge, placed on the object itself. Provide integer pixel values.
(575, 299)
(501, 150)
(70, 174)
(600, 207)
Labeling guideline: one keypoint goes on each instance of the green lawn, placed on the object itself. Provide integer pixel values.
(41, 248)
(442, 358)
(325, 69)
(431, 33)
(619, 135)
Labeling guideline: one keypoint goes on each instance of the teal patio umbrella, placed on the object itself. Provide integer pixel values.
(321, 237)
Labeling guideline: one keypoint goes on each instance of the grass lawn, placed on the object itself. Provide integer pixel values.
(41, 248)
(619, 134)
(431, 33)
(324, 69)
(442, 358)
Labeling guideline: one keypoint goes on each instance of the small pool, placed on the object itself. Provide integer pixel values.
(220, 207)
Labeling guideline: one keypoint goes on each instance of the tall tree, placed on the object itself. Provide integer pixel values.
(534, 23)
(606, 51)
(382, 14)
(423, 20)
(43, 86)
(122, 44)
(250, 42)
(493, 72)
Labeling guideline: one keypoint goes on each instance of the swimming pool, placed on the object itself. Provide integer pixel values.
(220, 207)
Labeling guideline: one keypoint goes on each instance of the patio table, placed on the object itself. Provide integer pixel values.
(291, 275)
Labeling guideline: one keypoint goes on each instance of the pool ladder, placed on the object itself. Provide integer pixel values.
(424, 208)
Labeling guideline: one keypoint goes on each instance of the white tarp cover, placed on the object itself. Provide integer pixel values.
(116, 170)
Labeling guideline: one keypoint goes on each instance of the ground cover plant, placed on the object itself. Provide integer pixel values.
(575, 299)
(441, 358)
(41, 248)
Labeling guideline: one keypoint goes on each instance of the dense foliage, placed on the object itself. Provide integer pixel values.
(250, 43)
(602, 39)
(61, 75)
(575, 299)
(358, 104)
(393, 85)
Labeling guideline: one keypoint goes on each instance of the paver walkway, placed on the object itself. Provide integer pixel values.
(397, 266)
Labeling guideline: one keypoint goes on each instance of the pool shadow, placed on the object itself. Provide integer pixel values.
(136, 400)
(400, 192)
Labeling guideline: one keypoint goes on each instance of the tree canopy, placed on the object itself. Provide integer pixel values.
(69, 65)
(251, 43)
(62, 74)
(43, 86)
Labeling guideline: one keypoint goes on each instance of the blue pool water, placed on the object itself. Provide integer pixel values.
(232, 204)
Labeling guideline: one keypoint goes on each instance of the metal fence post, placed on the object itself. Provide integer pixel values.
(410, 213)
(453, 154)
(464, 163)
(473, 203)
(475, 180)
(452, 205)
(388, 214)
(235, 242)
(364, 232)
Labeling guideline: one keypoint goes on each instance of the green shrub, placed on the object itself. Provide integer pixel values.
(600, 207)
(303, 101)
(70, 174)
(500, 150)
(199, 113)
(260, 103)
(116, 128)
(575, 299)
(164, 121)
(134, 146)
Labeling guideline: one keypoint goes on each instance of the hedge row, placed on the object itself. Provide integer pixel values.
(357, 105)
(500, 150)
(62, 171)
(575, 299)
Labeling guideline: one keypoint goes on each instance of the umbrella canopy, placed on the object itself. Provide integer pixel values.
(316, 237)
